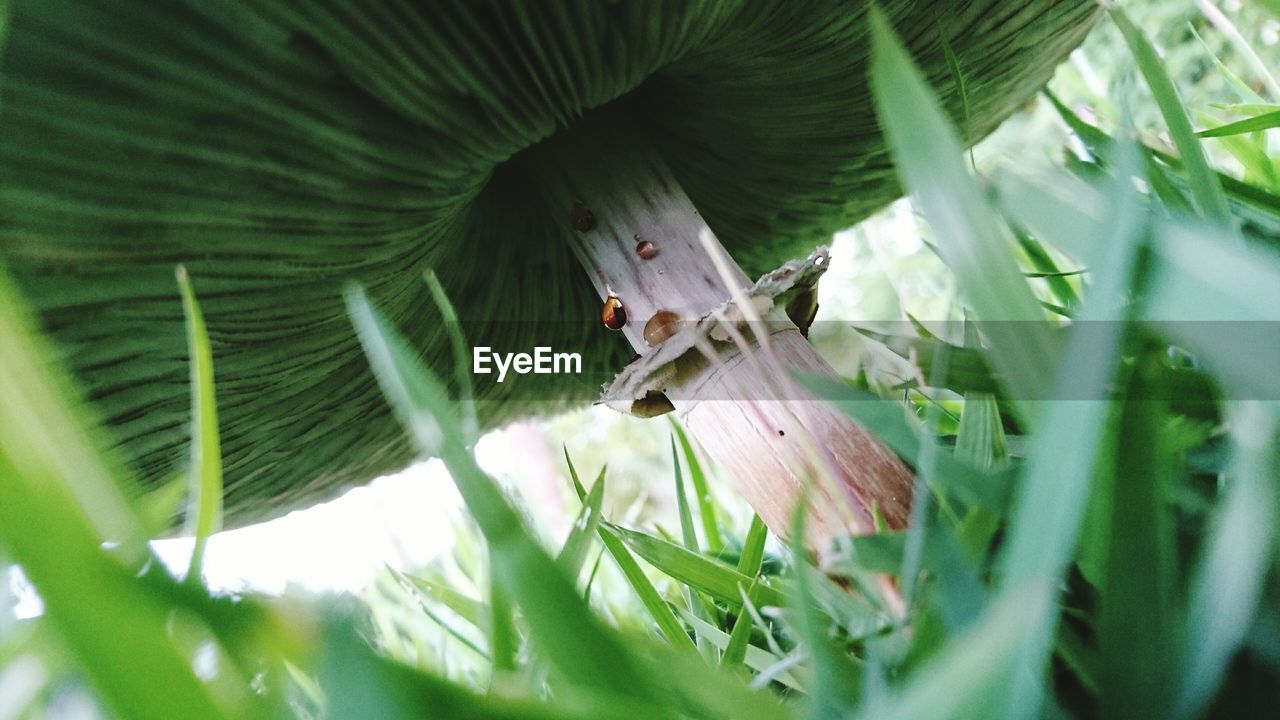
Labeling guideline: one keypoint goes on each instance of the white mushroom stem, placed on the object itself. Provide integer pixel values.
(767, 436)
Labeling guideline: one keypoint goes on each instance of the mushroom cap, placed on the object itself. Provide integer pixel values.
(281, 148)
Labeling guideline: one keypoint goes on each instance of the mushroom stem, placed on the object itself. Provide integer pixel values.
(643, 242)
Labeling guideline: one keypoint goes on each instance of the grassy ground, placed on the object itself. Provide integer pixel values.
(1099, 491)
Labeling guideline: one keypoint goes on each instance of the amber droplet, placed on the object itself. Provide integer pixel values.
(652, 404)
(645, 248)
(613, 314)
(581, 218)
(661, 326)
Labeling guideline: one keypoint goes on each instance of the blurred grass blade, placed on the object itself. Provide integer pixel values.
(576, 545)
(971, 241)
(468, 608)
(558, 619)
(1133, 627)
(461, 356)
(1242, 46)
(963, 677)
(1203, 180)
(706, 503)
(1232, 567)
(957, 77)
(59, 505)
(503, 640)
(1057, 280)
(1249, 125)
(204, 508)
(1045, 521)
(1210, 295)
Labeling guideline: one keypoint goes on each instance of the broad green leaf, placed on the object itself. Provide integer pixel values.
(503, 640)
(204, 508)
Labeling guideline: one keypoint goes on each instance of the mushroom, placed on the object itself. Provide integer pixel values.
(279, 149)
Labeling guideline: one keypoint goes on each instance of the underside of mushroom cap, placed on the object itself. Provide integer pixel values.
(280, 149)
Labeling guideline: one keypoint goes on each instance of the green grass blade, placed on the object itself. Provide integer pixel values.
(752, 557)
(661, 613)
(59, 505)
(687, 534)
(1232, 567)
(362, 684)
(1248, 125)
(204, 510)
(1205, 187)
(468, 608)
(558, 619)
(749, 563)
(574, 551)
(573, 476)
(706, 574)
(706, 503)
(957, 77)
(753, 657)
(461, 356)
(971, 241)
